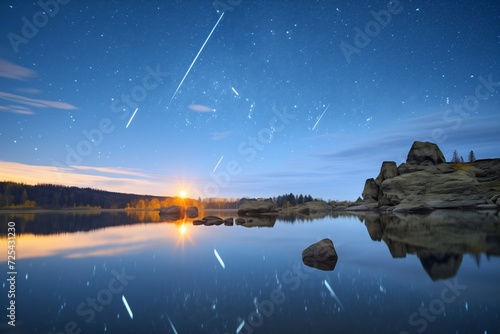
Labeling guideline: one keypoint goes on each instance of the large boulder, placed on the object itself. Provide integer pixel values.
(255, 208)
(172, 212)
(320, 255)
(425, 151)
(192, 212)
(311, 207)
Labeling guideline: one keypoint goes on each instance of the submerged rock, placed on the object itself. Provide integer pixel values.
(320, 255)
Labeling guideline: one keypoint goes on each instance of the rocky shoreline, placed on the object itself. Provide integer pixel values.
(426, 182)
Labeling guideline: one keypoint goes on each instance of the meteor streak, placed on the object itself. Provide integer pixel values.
(131, 118)
(222, 157)
(319, 119)
(195, 58)
(172, 325)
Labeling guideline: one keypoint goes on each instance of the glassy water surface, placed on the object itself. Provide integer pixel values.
(81, 272)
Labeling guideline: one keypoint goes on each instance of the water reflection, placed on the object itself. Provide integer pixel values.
(439, 239)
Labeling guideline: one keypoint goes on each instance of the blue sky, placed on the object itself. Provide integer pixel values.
(303, 97)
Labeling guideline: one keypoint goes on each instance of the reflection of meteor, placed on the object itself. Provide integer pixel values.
(222, 157)
(219, 258)
(172, 325)
(319, 119)
(127, 307)
(131, 118)
(194, 60)
(333, 294)
(240, 327)
(235, 92)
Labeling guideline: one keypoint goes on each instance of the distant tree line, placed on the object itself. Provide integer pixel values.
(48, 196)
(459, 159)
(287, 200)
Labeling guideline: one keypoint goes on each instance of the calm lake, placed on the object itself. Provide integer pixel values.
(131, 272)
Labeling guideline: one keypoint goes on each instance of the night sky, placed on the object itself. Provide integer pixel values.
(285, 96)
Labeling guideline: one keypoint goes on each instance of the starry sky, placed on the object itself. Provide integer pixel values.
(239, 98)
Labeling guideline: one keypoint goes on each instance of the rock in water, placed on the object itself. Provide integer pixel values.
(191, 212)
(172, 212)
(320, 255)
(255, 208)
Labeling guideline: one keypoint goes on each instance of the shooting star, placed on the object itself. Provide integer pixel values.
(222, 157)
(235, 92)
(127, 307)
(131, 118)
(219, 258)
(333, 294)
(319, 119)
(171, 324)
(195, 58)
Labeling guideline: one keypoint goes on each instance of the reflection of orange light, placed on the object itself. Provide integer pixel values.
(183, 235)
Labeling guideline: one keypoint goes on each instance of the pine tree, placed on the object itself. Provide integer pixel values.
(455, 159)
(472, 156)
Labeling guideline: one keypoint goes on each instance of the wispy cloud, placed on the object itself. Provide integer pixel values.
(13, 71)
(219, 135)
(38, 103)
(21, 104)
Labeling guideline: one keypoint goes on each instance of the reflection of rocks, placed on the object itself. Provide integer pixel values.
(439, 238)
(440, 265)
(320, 255)
(259, 221)
(191, 212)
(172, 212)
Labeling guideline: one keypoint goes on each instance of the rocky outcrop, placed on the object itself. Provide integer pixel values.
(426, 182)
(313, 207)
(255, 208)
(320, 255)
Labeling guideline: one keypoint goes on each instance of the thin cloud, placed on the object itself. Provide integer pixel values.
(38, 103)
(13, 71)
(16, 110)
(219, 135)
